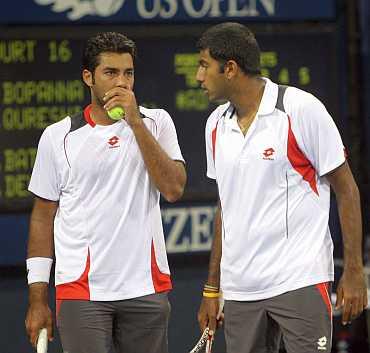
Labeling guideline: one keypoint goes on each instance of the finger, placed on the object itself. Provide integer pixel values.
(346, 314)
(113, 102)
(202, 321)
(221, 317)
(50, 330)
(355, 308)
(365, 300)
(212, 324)
(339, 302)
(220, 321)
(203, 324)
(116, 91)
(33, 337)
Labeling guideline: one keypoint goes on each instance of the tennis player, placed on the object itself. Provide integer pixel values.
(97, 184)
(274, 152)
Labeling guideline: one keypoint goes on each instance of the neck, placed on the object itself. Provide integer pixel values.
(99, 115)
(246, 98)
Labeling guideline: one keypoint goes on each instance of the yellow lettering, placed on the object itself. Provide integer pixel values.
(21, 159)
(43, 92)
(27, 118)
(191, 100)
(17, 51)
(16, 185)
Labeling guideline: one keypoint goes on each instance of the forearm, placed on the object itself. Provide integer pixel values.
(40, 245)
(351, 225)
(40, 242)
(168, 175)
(216, 252)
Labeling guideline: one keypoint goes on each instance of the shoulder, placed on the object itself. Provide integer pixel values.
(59, 129)
(160, 118)
(155, 114)
(299, 101)
(216, 115)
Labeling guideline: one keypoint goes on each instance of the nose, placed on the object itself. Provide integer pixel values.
(122, 81)
(200, 75)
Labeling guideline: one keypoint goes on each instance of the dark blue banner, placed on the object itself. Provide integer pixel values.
(161, 11)
(187, 229)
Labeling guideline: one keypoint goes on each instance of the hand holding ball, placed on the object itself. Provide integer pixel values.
(116, 113)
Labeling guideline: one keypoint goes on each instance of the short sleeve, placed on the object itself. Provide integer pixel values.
(316, 133)
(44, 179)
(210, 138)
(167, 137)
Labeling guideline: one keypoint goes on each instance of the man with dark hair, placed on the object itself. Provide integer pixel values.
(274, 152)
(97, 183)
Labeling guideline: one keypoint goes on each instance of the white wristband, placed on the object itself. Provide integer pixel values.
(38, 269)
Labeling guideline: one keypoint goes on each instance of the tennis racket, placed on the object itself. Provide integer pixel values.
(42, 341)
(206, 339)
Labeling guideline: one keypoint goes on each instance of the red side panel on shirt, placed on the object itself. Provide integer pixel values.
(214, 134)
(299, 161)
(57, 307)
(323, 289)
(87, 116)
(79, 289)
(161, 281)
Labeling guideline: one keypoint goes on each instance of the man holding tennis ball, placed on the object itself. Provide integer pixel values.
(97, 180)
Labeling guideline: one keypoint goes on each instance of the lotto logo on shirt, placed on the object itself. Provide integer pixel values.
(268, 153)
(113, 142)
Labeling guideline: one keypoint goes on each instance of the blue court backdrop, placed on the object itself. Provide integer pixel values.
(188, 229)
(160, 11)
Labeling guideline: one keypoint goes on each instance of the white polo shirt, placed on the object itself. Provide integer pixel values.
(274, 195)
(109, 242)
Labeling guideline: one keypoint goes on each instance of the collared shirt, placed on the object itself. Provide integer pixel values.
(274, 195)
(108, 235)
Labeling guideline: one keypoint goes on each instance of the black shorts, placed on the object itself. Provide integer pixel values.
(302, 318)
(136, 325)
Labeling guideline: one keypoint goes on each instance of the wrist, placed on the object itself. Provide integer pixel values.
(38, 269)
(211, 291)
(38, 293)
(211, 295)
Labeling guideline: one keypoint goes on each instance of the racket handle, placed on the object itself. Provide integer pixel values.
(42, 341)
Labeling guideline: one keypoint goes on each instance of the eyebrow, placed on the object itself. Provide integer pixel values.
(108, 68)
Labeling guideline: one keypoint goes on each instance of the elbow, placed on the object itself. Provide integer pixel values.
(175, 193)
(175, 189)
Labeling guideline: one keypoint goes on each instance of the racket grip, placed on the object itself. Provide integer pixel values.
(42, 341)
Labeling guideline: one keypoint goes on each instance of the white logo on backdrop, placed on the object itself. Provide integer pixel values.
(164, 9)
(80, 8)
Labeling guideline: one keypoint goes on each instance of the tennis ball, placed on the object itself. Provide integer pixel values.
(116, 113)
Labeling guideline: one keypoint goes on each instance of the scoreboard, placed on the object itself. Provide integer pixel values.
(40, 83)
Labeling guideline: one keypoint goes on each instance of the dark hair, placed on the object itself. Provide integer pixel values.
(105, 42)
(232, 41)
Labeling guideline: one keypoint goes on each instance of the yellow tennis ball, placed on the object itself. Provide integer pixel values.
(116, 113)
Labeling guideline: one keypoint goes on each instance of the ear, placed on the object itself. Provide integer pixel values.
(87, 77)
(231, 68)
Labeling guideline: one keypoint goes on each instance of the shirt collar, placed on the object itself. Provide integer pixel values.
(269, 98)
(267, 104)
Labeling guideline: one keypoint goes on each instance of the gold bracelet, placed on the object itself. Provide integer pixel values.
(211, 288)
(211, 295)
